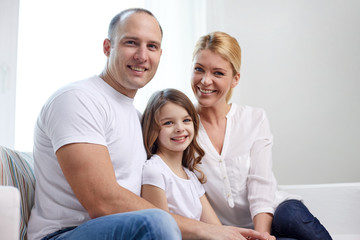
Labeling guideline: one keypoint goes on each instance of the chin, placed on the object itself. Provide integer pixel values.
(205, 102)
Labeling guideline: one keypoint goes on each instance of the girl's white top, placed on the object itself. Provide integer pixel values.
(183, 195)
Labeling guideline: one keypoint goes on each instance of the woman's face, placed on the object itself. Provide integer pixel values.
(212, 78)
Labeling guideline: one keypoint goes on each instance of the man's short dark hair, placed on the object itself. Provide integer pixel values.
(118, 17)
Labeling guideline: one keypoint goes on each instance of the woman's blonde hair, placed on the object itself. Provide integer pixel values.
(226, 46)
(151, 127)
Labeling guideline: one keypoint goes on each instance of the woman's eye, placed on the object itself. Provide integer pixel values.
(219, 73)
(198, 69)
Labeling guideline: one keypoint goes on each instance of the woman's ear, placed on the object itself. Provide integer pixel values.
(235, 80)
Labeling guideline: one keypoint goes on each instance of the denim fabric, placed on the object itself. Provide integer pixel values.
(293, 221)
(147, 224)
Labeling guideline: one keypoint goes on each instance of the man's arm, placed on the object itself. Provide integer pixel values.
(89, 172)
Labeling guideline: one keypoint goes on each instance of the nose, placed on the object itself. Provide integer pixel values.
(140, 54)
(179, 127)
(206, 79)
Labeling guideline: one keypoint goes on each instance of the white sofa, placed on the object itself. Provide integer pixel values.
(9, 213)
(337, 206)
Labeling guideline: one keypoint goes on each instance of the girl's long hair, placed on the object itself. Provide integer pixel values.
(151, 127)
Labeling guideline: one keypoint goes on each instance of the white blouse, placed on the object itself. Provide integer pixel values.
(240, 182)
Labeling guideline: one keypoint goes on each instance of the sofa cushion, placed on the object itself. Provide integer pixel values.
(16, 170)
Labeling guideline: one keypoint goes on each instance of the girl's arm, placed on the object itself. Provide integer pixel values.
(155, 195)
(208, 214)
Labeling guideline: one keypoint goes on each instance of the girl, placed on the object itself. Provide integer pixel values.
(170, 127)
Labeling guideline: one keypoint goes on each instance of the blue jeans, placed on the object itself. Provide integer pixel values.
(147, 224)
(293, 221)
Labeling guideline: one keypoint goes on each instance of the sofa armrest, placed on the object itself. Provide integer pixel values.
(337, 206)
(9, 213)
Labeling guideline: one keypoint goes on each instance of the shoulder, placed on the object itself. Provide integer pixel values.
(153, 172)
(73, 92)
(154, 164)
(246, 112)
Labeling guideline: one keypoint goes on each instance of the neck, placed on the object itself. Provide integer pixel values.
(112, 81)
(172, 159)
(213, 114)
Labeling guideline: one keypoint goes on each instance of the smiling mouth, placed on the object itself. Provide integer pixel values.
(206, 91)
(138, 69)
(179, 138)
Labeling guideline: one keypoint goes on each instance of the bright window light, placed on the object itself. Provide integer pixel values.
(60, 41)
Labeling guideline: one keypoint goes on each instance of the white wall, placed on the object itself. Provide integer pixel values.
(300, 61)
(8, 48)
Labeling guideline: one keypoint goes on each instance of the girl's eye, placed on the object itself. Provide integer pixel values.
(188, 120)
(167, 123)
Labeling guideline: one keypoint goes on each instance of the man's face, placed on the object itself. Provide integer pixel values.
(134, 54)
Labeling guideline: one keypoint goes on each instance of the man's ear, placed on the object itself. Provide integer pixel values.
(235, 80)
(107, 47)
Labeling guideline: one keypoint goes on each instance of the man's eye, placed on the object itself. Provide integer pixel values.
(153, 46)
(130, 42)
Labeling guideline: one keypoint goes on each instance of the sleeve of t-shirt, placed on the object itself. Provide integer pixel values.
(153, 174)
(74, 117)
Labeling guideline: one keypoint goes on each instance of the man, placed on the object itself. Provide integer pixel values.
(89, 152)
(88, 146)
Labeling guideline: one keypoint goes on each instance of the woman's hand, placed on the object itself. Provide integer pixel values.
(232, 233)
(268, 236)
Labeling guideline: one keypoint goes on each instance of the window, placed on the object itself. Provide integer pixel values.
(60, 41)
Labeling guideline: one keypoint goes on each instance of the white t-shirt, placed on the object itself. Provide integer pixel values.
(183, 195)
(87, 111)
(240, 182)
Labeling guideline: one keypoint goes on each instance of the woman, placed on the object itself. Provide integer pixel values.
(238, 150)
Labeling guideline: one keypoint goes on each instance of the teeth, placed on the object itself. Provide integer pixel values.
(206, 91)
(138, 69)
(179, 138)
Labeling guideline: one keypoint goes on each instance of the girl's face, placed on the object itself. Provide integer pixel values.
(176, 129)
(212, 78)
